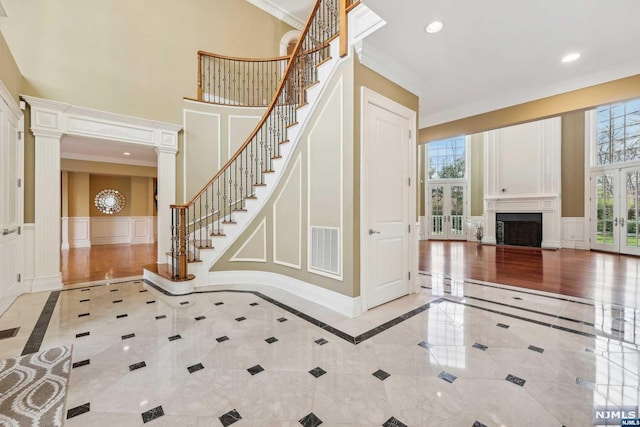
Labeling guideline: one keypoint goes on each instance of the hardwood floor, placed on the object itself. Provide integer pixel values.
(587, 274)
(105, 262)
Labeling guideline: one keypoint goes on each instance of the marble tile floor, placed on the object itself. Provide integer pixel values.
(454, 354)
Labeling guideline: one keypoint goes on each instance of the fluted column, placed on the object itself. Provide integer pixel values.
(47, 211)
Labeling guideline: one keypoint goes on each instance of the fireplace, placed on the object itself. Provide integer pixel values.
(519, 229)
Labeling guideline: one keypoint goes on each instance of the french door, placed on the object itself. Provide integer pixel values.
(447, 210)
(615, 207)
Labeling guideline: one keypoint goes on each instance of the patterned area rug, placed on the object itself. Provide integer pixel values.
(34, 388)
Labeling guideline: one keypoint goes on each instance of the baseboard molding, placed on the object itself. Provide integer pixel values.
(574, 232)
(551, 244)
(173, 288)
(347, 306)
(48, 283)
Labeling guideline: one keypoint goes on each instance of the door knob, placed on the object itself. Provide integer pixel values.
(371, 231)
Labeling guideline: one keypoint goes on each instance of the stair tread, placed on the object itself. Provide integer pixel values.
(292, 124)
(164, 270)
(218, 235)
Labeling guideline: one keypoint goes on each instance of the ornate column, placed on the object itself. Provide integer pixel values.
(47, 209)
(166, 197)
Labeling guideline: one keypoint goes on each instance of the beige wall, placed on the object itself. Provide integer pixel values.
(9, 72)
(79, 194)
(476, 180)
(318, 152)
(572, 169)
(577, 100)
(136, 58)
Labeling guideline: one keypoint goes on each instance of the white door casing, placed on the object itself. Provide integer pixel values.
(11, 200)
(388, 200)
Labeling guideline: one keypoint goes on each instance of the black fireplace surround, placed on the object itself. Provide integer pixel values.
(519, 229)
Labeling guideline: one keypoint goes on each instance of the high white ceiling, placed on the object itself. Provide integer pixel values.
(98, 150)
(493, 54)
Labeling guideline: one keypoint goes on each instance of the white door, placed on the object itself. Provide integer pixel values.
(447, 211)
(10, 207)
(387, 172)
(615, 205)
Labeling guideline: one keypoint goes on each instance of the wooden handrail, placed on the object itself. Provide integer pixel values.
(272, 105)
(242, 59)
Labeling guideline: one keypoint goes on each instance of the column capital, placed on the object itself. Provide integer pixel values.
(166, 150)
(46, 133)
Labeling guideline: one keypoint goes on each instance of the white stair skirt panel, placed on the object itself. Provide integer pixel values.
(210, 256)
(347, 306)
(174, 288)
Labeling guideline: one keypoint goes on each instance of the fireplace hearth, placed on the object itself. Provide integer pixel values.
(519, 229)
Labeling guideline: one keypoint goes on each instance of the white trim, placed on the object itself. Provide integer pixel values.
(286, 39)
(589, 153)
(174, 288)
(77, 232)
(28, 249)
(11, 102)
(368, 96)
(229, 117)
(338, 87)
(46, 283)
(573, 236)
(297, 266)
(185, 145)
(107, 159)
(3, 14)
(262, 226)
(275, 10)
(212, 105)
(347, 306)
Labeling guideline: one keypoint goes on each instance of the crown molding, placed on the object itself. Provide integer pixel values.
(3, 10)
(107, 159)
(272, 9)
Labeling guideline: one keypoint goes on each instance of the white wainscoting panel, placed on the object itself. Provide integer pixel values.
(142, 229)
(28, 263)
(79, 232)
(121, 229)
(573, 233)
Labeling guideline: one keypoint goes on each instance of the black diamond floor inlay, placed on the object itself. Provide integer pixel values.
(144, 290)
(120, 316)
(85, 290)
(162, 316)
(174, 337)
(230, 418)
(117, 301)
(515, 380)
(222, 339)
(502, 325)
(219, 303)
(394, 422)
(83, 334)
(78, 410)
(317, 372)
(478, 424)
(195, 368)
(517, 298)
(151, 302)
(83, 315)
(184, 303)
(253, 304)
(126, 337)
(282, 319)
(81, 363)
(137, 366)
(271, 340)
(152, 414)
(480, 347)
(255, 369)
(536, 349)
(450, 378)
(321, 341)
(381, 375)
(85, 300)
(310, 420)
(113, 290)
(240, 319)
(9, 333)
(200, 318)
(425, 344)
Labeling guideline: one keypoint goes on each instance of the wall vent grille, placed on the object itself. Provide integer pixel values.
(325, 249)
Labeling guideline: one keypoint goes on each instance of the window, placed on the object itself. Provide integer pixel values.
(618, 130)
(447, 158)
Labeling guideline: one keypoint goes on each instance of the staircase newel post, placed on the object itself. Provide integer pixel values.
(344, 32)
(199, 76)
(180, 235)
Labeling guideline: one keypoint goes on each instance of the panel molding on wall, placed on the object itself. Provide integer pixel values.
(336, 95)
(78, 232)
(243, 135)
(86, 232)
(573, 233)
(218, 120)
(296, 170)
(259, 233)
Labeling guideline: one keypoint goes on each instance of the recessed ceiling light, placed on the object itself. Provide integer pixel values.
(126, 153)
(571, 57)
(434, 27)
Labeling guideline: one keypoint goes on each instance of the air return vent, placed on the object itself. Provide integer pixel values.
(325, 249)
